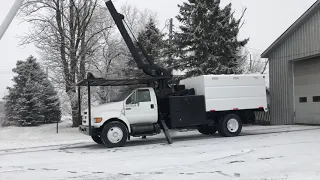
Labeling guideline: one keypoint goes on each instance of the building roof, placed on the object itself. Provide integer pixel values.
(302, 19)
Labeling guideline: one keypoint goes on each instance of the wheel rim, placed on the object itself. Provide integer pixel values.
(233, 125)
(115, 135)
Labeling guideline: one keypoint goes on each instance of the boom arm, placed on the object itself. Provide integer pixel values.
(12, 13)
(150, 69)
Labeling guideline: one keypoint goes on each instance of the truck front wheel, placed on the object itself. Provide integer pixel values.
(97, 139)
(230, 125)
(114, 134)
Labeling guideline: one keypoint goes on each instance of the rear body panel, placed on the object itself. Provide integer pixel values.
(230, 92)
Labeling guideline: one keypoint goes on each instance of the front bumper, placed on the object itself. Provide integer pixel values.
(86, 130)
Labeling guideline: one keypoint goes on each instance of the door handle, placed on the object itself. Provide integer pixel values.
(128, 108)
(152, 106)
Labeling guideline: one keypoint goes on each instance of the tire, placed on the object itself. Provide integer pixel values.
(97, 139)
(207, 130)
(230, 125)
(114, 134)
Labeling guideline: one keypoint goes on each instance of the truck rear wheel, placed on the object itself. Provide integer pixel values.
(230, 125)
(97, 139)
(114, 134)
(207, 130)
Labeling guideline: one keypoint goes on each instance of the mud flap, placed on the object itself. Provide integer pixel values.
(166, 132)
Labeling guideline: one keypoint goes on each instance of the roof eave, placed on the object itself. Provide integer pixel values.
(291, 29)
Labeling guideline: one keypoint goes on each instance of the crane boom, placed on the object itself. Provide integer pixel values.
(8, 19)
(149, 68)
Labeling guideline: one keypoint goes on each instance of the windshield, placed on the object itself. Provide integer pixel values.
(122, 96)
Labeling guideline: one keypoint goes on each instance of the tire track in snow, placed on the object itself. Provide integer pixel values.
(45, 148)
(204, 163)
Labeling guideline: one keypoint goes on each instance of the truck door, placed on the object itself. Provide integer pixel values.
(141, 108)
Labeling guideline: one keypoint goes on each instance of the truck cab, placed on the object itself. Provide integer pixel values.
(140, 107)
(137, 110)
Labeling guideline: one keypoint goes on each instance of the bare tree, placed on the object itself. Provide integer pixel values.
(114, 52)
(254, 63)
(77, 36)
(66, 35)
(136, 19)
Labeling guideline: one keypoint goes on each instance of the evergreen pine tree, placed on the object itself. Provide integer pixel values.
(208, 41)
(30, 104)
(154, 44)
(52, 111)
(11, 107)
(32, 99)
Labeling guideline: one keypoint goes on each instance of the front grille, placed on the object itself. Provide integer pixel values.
(83, 119)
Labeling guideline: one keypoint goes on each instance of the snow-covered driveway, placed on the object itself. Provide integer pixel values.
(261, 153)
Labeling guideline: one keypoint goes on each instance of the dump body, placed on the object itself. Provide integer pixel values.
(230, 92)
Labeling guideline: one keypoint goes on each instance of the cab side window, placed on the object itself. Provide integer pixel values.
(132, 99)
(144, 95)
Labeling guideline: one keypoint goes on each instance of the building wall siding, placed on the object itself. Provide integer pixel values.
(303, 43)
(281, 92)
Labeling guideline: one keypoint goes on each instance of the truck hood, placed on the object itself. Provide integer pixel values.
(98, 110)
(114, 106)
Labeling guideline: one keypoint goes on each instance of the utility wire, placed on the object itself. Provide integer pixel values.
(125, 22)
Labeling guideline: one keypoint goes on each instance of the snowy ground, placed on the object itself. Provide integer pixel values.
(261, 153)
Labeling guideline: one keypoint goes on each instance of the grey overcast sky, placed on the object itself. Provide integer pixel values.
(265, 20)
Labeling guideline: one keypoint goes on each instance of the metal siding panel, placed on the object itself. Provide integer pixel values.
(281, 88)
(316, 27)
(318, 32)
(313, 30)
(290, 96)
(273, 91)
(312, 35)
(304, 40)
(285, 104)
(285, 90)
(279, 91)
(300, 41)
(295, 45)
(306, 36)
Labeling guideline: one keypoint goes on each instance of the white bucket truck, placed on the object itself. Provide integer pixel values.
(218, 103)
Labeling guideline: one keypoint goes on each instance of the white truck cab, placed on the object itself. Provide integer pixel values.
(136, 107)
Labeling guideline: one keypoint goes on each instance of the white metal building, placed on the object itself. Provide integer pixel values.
(295, 71)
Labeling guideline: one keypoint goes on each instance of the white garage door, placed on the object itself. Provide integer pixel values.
(307, 91)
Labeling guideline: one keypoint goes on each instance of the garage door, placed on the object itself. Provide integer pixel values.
(307, 91)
